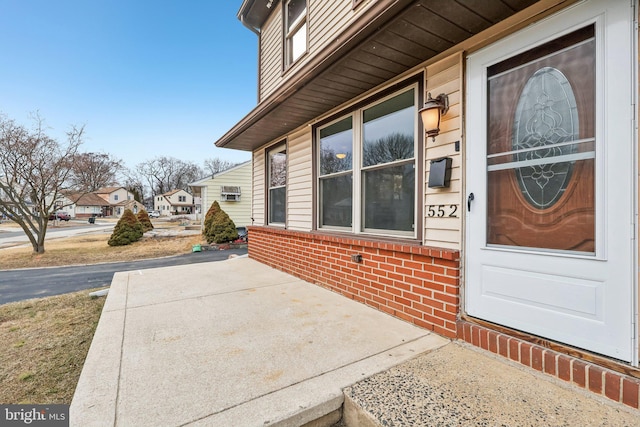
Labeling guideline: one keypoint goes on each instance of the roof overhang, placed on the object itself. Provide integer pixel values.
(253, 13)
(389, 39)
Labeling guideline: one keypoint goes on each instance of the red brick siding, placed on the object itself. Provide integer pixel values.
(415, 283)
(614, 385)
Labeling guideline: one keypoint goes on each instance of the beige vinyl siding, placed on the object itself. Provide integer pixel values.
(258, 178)
(271, 53)
(300, 181)
(326, 19)
(239, 212)
(445, 76)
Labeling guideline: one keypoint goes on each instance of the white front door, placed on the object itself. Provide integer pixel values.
(550, 243)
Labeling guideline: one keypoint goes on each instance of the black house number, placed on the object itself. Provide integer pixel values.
(442, 211)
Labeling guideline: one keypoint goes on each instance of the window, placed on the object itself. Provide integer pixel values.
(366, 168)
(115, 197)
(295, 30)
(277, 178)
(182, 199)
(543, 166)
(230, 193)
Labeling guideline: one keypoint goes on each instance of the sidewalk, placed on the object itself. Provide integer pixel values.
(236, 343)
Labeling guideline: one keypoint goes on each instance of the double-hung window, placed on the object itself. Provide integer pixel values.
(295, 29)
(277, 179)
(367, 168)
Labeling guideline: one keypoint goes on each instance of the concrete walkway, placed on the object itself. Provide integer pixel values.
(232, 343)
(236, 343)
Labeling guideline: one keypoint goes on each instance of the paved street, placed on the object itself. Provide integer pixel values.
(17, 285)
(11, 235)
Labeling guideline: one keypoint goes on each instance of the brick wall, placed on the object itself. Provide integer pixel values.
(597, 379)
(415, 283)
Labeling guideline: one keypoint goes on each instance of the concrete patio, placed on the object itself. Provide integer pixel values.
(236, 343)
(232, 343)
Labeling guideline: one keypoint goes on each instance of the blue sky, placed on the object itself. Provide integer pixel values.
(146, 78)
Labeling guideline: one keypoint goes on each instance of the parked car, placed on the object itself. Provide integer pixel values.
(154, 214)
(60, 215)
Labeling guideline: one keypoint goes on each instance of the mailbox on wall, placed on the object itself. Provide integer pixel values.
(440, 172)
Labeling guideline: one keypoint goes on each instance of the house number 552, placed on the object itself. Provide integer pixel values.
(441, 211)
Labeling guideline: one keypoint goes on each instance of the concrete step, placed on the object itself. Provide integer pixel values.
(460, 385)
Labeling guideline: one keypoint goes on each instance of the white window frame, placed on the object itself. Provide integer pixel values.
(357, 226)
(277, 148)
(291, 30)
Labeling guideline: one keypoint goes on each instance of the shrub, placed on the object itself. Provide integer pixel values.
(208, 220)
(127, 230)
(219, 228)
(144, 219)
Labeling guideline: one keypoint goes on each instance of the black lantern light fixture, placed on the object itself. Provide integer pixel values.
(432, 112)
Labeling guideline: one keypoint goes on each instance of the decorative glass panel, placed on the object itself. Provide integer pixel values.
(541, 147)
(546, 116)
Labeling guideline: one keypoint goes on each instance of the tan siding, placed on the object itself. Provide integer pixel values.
(327, 19)
(445, 76)
(299, 185)
(271, 53)
(239, 212)
(258, 195)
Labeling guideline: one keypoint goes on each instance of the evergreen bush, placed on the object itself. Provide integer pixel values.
(143, 217)
(208, 220)
(219, 227)
(127, 230)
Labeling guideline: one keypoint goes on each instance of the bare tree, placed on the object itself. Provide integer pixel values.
(133, 181)
(395, 146)
(168, 173)
(92, 171)
(33, 170)
(216, 165)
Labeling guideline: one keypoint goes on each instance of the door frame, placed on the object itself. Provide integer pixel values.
(602, 245)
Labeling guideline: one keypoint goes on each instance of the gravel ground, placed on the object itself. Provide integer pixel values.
(457, 385)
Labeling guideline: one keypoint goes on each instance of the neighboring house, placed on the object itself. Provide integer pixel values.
(10, 208)
(231, 189)
(82, 205)
(529, 248)
(119, 199)
(174, 202)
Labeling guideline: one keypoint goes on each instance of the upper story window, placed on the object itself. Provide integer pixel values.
(277, 178)
(115, 197)
(295, 30)
(367, 168)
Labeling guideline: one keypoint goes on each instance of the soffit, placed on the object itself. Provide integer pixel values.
(398, 36)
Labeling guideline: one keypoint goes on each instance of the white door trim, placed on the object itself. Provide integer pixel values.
(616, 215)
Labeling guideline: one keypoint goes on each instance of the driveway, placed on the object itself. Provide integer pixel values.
(17, 285)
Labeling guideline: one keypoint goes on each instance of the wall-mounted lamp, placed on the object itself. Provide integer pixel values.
(431, 113)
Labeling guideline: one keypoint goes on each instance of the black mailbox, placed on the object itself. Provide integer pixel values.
(440, 172)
